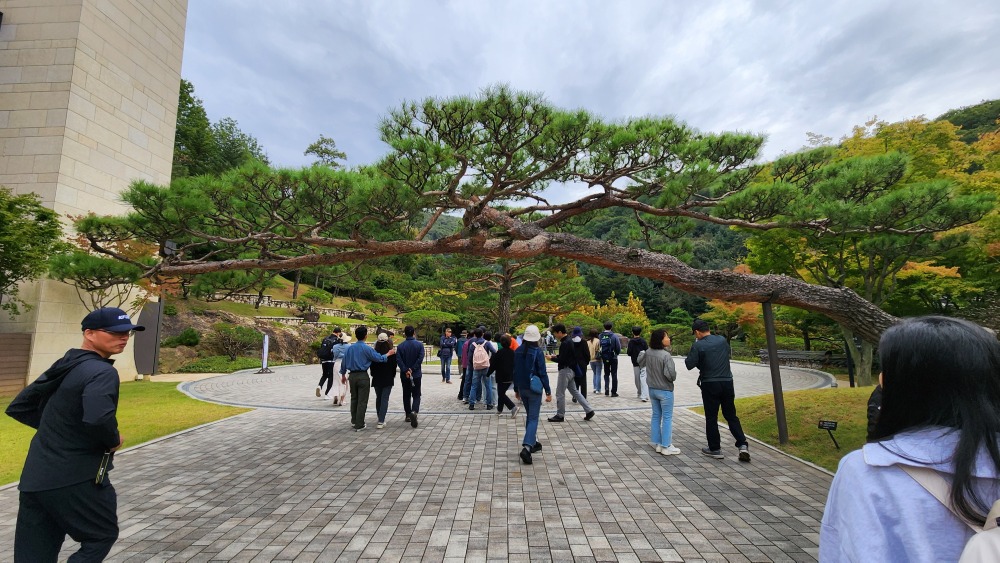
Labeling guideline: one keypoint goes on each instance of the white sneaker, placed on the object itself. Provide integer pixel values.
(319, 391)
(380, 425)
(659, 448)
(513, 411)
(670, 450)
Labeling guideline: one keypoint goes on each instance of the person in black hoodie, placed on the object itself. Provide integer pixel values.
(638, 344)
(502, 364)
(383, 377)
(64, 484)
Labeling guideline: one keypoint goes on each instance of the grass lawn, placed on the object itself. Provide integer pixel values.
(146, 410)
(803, 411)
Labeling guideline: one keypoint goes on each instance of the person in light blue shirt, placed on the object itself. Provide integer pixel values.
(940, 410)
(354, 369)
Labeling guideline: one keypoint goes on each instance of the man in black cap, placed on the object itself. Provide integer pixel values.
(64, 484)
(710, 354)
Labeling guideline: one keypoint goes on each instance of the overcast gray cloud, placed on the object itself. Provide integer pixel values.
(290, 71)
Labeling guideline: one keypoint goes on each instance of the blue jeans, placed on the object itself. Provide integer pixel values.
(661, 425)
(446, 368)
(479, 382)
(532, 407)
(467, 384)
(382, 401)
(596, 366)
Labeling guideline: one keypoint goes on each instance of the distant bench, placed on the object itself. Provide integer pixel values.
(800, 358)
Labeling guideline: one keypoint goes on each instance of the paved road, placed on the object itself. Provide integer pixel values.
(290, 481)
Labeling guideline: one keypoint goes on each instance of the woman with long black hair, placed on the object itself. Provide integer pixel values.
(940, 418)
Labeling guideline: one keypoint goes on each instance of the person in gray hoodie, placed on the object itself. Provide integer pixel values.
(660, 376)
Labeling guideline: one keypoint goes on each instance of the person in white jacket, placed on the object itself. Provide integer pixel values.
(940, 410)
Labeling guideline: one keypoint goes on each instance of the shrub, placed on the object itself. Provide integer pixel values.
(234, 340)
(219, 364)
(187, 337)
(170, 310)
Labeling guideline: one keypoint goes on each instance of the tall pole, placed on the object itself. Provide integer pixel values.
(772, 354)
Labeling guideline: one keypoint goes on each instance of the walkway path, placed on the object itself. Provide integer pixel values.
(292, 482)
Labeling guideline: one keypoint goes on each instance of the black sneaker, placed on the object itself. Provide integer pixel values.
(526, 455)
(589, 416)
(717, 454)
(745, 453)
(614, 394)
(407, 418)
(413, 419)
(362, 427)
(472, 406)
(556, 418)
(536, 448)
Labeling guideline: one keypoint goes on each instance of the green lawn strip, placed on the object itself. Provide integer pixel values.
(803, 411)
(146, 410)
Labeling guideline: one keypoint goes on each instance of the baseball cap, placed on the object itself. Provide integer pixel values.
(383, 337)
(531, 334)
(111, 319)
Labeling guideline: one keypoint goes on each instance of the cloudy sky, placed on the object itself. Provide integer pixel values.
(292, 70)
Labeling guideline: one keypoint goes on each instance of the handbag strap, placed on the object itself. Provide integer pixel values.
(938, 486)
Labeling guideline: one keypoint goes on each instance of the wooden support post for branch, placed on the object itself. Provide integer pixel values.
(772, 352)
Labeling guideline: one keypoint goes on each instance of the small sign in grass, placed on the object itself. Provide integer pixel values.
(146, 410)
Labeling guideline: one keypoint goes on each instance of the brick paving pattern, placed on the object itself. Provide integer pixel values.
(291, 481)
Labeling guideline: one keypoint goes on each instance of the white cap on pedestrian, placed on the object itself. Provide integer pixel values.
(531, 334)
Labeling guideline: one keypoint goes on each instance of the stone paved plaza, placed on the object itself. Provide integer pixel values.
(291, 481)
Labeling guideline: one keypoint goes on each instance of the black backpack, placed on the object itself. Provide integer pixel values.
(325, 352)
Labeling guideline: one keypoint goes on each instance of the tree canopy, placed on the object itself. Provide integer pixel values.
(522, 174)
(29, 235)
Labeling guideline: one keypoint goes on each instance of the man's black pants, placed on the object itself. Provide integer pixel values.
(88, 513)
(715, 394)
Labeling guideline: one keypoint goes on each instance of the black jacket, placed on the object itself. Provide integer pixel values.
(502, 363)
(636, 344)
(73, 405)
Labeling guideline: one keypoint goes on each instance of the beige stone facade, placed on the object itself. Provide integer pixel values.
(88, 104)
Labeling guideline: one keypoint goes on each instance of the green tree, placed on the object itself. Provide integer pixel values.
(326, 152)
(852, 195)
(489, 158)
(426, 321)
(29, 235)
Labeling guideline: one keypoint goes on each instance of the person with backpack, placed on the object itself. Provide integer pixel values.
(930, 480)
(480, 351)
(330, 350)
(611, 346)
(64, 487)
(446, 349)
(637, 344)
(464, 361)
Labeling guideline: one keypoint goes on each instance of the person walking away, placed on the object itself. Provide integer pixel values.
(64, 487)
(594, 344)
(582, 359)
(502, 366)
(410, 359)
(611, 346)
(466, 362)
(383, 378)
(927, 482)
(480, 351)
(567, 364)
(446, 350)
(710, 354)
(357, 360)
(330, 350)
(637, 344)
(529, 361)
(660, 375)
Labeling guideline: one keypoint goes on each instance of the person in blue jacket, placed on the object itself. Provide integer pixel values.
(529, 360)
(357, 360)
